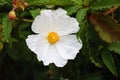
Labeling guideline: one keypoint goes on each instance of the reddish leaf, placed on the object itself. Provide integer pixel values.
(107, 28)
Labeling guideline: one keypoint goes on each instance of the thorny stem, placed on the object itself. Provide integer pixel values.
(26, 20)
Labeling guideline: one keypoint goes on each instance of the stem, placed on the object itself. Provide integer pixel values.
(26, 20)
(111, 10)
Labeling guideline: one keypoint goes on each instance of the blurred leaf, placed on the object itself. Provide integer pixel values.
(81, 14)
(12, 52)
(61, 78)
(100, 4)
(2, 15)
(115, 46)
(87, 2)
(82, 31)
(23, 29)
(2, 2)
(106, 27)
(40, 75)
(7, 28)
(23, 51)
(73, 9)
(50, 2)
(1, 46)
(24, 14)
(92, 39)
(109, 62)
(92, 76)
(35, 12)
(79, 2)
(94, 62)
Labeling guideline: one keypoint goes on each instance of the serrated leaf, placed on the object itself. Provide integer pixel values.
(114, 46)
(73, 9)
(109, 62)
(7, 28)
(50, 2)
(83, 30)
(100, 4)
(81, 14)
(35, 12)
(106, 27)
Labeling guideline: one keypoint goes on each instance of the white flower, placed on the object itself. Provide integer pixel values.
(54, 41)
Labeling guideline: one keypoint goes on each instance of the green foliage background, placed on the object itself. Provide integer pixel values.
(100, 33)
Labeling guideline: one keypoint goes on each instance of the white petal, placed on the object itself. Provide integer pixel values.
(65, 25)
(53, 56)
(37, 44)
(68, 46)
(59, 12)
(43, 22)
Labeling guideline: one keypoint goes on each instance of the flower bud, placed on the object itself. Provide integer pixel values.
(25, 4)
(15, 3)
(12, 15)
(19, 4)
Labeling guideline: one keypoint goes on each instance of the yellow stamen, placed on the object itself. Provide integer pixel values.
(53, 37)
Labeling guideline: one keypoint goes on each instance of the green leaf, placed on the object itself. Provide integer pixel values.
(114, 46)
(81, 14)
(12, 52)
(73, 9)
(24, 29)
(79, 2)
(92, 76)
(7, 28)
(50, 2)
(2, 2)
(100, 4)
(87, 2)
(1, 46)
(35, 12)
(2, 15)
(106, 27)
(109, 62)
(22, 50)
(94, 62)
(82, 31)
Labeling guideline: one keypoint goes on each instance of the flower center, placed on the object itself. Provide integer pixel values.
(53, 37)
